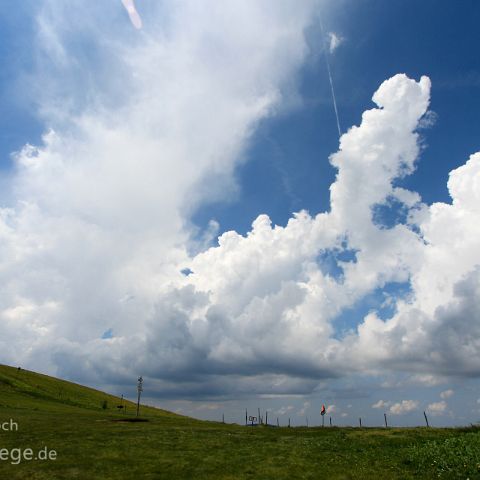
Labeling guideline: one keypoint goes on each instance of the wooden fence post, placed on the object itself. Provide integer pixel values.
(426, 419)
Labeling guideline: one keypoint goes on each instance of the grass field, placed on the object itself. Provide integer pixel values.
(91, 443)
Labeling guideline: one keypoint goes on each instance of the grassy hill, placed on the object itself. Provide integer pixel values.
(93, 442)
(23, 389)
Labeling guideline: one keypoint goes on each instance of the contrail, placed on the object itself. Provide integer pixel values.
(330, 78)
(132, 13)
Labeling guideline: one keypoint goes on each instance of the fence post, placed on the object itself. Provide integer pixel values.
(330, 421)
(426, 419)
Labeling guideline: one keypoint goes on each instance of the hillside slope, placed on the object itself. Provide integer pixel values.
(23, 389)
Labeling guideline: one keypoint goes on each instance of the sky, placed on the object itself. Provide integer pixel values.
(176, 203)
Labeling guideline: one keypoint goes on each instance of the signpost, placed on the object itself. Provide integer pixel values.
(139, 390)
(252, 419)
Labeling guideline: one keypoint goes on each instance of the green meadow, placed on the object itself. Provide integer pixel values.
(68, 431)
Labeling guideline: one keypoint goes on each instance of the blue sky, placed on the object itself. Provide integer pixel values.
(18, 123)
(167, 137)
(381, 39)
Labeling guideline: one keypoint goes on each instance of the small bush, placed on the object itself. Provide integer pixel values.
(104, 405)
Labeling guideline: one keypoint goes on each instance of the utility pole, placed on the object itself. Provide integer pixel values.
(139, 390)
(386, 424)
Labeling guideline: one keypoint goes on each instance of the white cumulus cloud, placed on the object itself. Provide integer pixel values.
(437, 408)
(303, 410)
(283, 410)
(405, 406)
(96, 229)
(335, 41)
(381, 404)
(446, 394)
